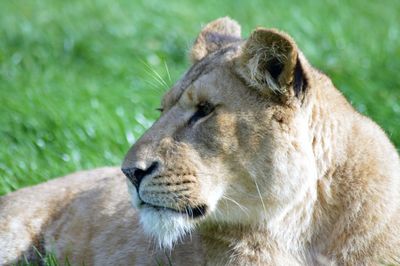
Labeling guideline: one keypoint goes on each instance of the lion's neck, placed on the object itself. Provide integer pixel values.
(328, 129)
(241, 245)
(281, 241)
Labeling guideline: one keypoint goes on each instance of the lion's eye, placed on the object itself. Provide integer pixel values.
(203, 109)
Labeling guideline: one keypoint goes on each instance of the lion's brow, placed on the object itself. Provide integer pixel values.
(201, 68)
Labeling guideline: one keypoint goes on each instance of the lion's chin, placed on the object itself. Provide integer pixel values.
(164, 225)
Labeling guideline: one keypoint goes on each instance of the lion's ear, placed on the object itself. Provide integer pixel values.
(214, 36)
(270, 62)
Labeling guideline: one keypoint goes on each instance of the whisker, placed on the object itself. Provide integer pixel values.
(154, 86)
(244, 209)
(150, 70)
(259, 194)
(167, 70)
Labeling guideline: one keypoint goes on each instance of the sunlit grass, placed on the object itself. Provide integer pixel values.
(80, 80)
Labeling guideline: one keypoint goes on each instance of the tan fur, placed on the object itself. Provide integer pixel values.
(287, 173)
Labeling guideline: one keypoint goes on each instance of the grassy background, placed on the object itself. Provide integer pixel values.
(77, 81)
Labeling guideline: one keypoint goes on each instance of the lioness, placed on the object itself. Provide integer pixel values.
(257, 159)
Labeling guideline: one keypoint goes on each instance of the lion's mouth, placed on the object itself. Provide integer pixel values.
(192, 212)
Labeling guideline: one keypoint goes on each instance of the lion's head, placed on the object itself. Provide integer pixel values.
(231, 145)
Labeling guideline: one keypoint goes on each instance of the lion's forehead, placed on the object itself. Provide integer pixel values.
(218, 60)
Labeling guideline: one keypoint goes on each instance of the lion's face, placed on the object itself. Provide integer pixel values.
(221, 149)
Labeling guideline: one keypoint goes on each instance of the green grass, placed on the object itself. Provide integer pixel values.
(76, 80)
(49, 259)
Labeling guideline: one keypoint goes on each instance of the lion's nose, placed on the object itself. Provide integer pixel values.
(136, 175)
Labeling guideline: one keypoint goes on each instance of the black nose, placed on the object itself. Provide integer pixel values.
(136, 175)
